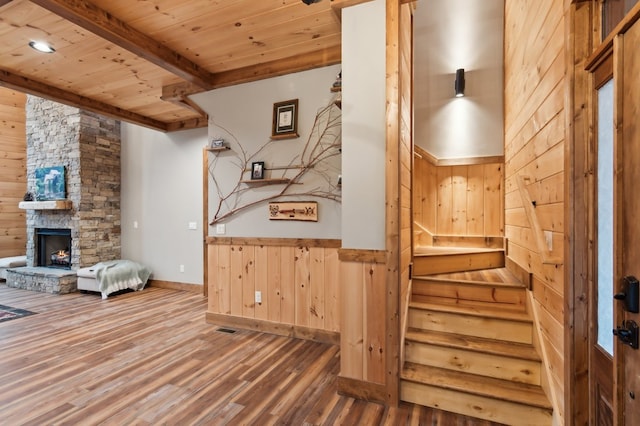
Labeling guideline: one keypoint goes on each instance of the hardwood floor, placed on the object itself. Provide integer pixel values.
(149, 358)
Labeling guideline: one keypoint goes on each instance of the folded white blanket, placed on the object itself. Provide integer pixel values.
(115, 275)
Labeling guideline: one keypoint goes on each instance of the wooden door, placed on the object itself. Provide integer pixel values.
(627, 359)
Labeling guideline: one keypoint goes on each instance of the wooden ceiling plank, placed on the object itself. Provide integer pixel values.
(32, 87)
(319, 33)
(4, 2)
(93, 19)
(247, 58)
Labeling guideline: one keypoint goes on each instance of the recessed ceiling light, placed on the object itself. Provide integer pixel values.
(41, 47)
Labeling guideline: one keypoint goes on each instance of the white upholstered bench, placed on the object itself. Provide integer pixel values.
(87, 279)
(11, 262)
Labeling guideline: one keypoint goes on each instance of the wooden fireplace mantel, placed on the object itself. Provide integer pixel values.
(46, 205)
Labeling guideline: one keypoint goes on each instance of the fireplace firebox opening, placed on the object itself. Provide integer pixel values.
(53, 248)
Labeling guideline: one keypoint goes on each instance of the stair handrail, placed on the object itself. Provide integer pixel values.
(529, 208)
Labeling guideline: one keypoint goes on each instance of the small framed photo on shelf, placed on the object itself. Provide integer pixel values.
(257, 170)
(216, 143)
(285, 120)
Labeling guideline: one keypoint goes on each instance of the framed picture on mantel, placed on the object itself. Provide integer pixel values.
(50, 183)
(285, 120)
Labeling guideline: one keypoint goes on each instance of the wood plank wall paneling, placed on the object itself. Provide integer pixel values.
(535, 128)
(13, 172)
(362, 336)
(580, 37)
(406, 163)
(459, 200)
(298, 284)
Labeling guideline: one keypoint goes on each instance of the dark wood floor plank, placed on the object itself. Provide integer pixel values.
(148, 358)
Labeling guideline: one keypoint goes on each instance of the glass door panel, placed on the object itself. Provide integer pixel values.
(605, 217)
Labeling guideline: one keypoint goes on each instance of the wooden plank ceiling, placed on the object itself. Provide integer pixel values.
(138, 60)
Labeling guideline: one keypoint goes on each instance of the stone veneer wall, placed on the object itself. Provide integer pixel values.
(88, 146)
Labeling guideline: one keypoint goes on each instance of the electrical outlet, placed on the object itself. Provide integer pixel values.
(135, 224)
(221, 229)
(548, 238)
(258, 297)
(193, 225)
(181, 268)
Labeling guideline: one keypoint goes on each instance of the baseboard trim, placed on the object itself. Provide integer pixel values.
(264, 326)
(359, 389)
(192, 288)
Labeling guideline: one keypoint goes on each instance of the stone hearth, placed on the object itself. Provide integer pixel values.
(47, 280)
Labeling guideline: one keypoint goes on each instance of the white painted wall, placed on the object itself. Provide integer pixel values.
(452, 34)
(162, 192)
(243, 115)
(162, 173)
(363, 126)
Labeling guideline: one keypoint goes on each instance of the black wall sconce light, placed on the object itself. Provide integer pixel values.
(459, 85)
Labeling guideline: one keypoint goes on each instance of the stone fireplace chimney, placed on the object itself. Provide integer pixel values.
(88, 146)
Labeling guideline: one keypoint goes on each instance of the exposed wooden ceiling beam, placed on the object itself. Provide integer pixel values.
(4, 2)
(178, 91)
(194, 123)
(36, 88)
(101, 23)
(319, 58)
(187, 103)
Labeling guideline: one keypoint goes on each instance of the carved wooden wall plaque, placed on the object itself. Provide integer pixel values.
(291, 210)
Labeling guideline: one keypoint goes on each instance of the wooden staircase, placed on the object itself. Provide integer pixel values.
(469, 346)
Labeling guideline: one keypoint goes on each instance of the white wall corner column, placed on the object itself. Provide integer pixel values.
(363, 126)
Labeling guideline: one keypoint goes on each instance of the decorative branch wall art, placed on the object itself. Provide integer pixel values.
(311, 173)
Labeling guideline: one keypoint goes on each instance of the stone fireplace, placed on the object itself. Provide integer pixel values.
(88, 147)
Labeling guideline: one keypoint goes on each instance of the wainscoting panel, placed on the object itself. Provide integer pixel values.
(297, 280)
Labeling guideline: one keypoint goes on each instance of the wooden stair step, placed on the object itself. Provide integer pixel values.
(505, 390)
(501, 324)
(492, 275)
(469, 278)
(488, 364)
(438, 260)
(443, 291)
(475, 344)
(485, 398)
(468, 241)
(473, 311)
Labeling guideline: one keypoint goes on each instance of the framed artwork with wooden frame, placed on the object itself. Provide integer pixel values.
(285, 120)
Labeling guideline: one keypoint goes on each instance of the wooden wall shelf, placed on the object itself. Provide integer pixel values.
(274, 181)
(46, 205)
(218, 149)
(285, 136)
